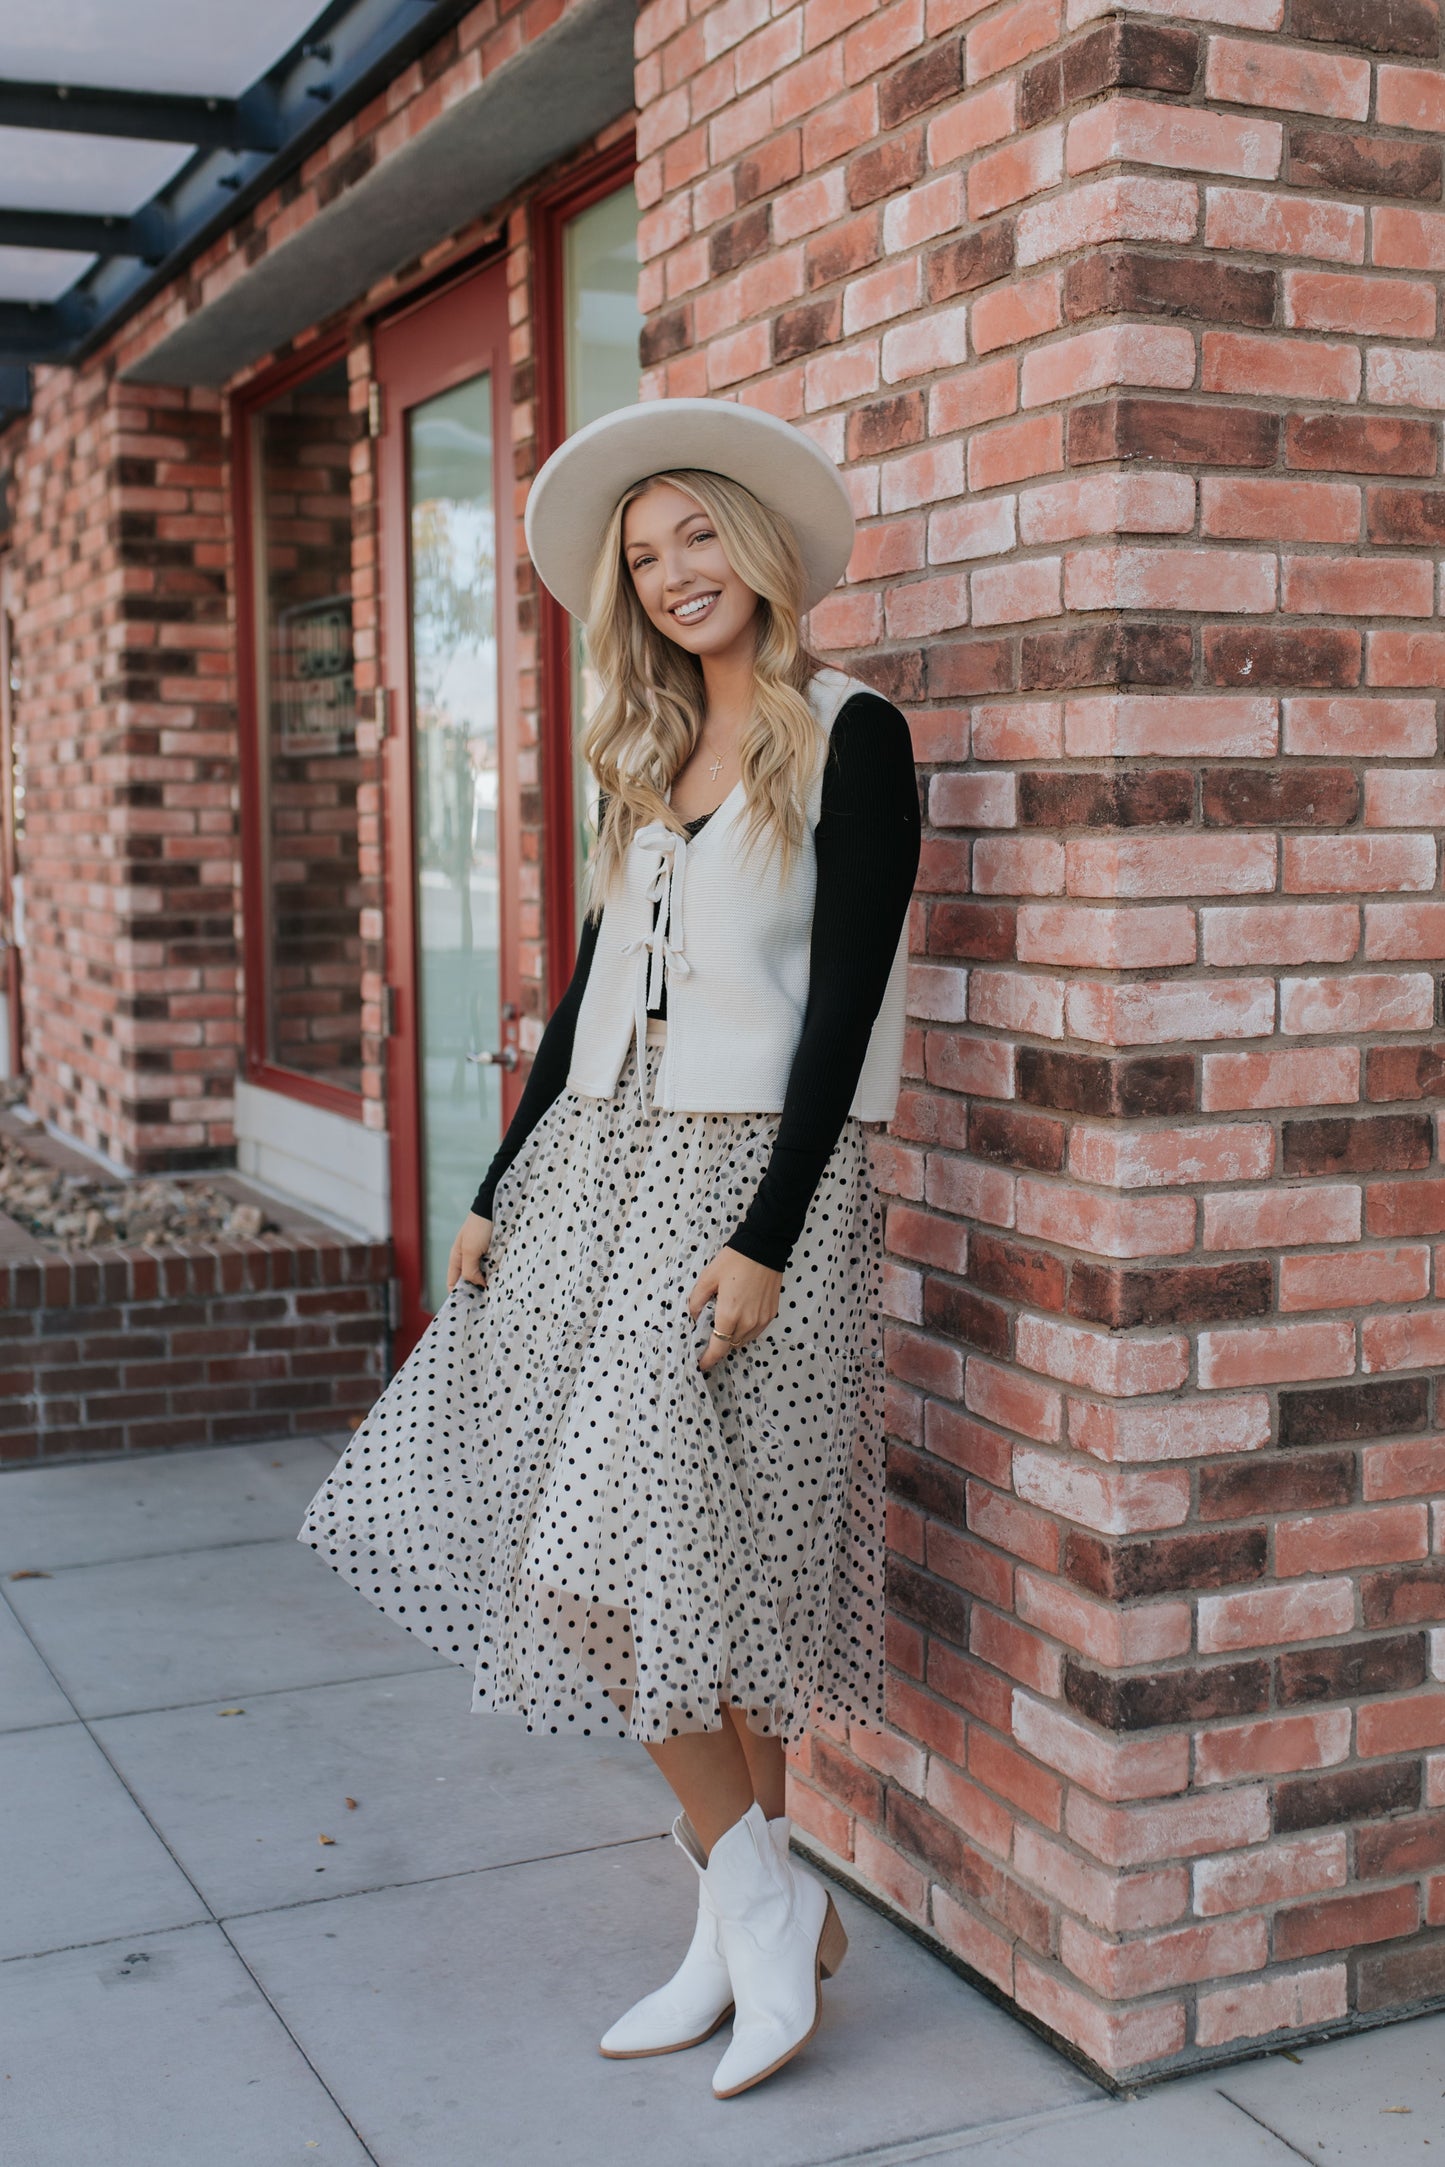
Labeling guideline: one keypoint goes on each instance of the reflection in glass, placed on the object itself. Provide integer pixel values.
(452, 522)
(306, 712)
(603, 324)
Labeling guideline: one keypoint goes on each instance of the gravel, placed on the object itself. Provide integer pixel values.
(70, 1211)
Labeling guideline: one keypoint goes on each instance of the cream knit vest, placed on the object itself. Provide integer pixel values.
(731, 945)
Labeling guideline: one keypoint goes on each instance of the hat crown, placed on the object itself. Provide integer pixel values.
(578, 489)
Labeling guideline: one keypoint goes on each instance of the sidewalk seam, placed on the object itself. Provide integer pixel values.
(970, 2136)
(1270, 2130)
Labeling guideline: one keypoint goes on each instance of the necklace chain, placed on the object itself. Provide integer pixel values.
(719, 760)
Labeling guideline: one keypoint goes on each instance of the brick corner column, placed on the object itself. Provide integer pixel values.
(1125, 330)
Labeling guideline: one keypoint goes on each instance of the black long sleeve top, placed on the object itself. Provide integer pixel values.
(867, 845)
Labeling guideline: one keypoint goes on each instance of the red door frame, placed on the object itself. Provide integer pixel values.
(433, 346)
(251, 744)
(551, 210)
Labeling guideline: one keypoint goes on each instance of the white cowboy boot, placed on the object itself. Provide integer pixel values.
(779, 1932)
(699, 1996)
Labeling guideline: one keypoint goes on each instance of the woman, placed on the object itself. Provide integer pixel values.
(632, 1471)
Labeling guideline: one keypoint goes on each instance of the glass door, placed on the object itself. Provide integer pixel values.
(451, 784)
(452, 528)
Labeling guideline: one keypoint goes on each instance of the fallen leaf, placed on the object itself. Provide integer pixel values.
(28, 1572)
(351, 1804)
(230, 1711)
(326, 1839)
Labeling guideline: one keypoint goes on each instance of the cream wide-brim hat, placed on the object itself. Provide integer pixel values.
(577, 491)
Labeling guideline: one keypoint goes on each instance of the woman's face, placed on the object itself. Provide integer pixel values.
(683, 580)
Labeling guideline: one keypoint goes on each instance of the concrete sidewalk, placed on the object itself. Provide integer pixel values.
(191, 1977)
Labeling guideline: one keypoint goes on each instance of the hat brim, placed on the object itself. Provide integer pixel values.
(577, 491)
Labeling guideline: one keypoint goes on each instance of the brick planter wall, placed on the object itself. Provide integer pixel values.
(127, 1350)
(1126, 329)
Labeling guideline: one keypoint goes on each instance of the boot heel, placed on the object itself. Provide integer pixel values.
(833, 1943)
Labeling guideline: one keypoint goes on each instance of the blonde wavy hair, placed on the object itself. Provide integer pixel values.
(653, 704)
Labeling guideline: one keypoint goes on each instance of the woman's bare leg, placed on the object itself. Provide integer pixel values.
(709, 1775)
(716, 1775)
(766, 1766)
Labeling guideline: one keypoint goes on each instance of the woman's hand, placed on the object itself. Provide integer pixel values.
(745, 1297)
(470, 1246)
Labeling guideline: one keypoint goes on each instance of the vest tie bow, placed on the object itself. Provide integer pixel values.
(660, 951)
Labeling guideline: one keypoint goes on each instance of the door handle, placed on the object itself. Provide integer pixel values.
(502, 1057)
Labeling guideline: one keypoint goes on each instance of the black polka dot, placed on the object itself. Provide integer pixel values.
(552, 1493)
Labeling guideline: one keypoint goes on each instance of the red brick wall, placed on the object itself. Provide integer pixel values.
(125, 717)
(134, 1350)
(123, 556)
(1125, 329)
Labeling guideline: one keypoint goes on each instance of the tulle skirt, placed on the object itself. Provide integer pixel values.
(552, 1493)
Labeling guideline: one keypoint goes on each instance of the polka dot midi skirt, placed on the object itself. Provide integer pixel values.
(552, 1493)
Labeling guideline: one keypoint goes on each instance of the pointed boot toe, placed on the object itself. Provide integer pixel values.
(665, 2022)
(696, 1999)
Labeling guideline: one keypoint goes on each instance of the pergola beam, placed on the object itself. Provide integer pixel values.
(37, 331)
(86, 233)
(243, 146)
(234, 124)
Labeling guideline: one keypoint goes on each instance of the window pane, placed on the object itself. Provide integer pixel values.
(603, 323)
(602, 329)
(306, 713)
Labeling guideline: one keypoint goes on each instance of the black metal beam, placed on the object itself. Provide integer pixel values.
(236, 124)
(14, 390)
(243, 147)
(38, 331)
(87, 233)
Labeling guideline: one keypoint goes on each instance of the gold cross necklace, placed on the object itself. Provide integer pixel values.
(720, 762)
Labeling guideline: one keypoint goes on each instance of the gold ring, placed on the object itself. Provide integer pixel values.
(727, 1342)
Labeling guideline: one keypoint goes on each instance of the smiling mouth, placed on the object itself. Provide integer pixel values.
(695, 608)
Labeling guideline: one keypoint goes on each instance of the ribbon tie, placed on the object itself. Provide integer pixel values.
(659, 951)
